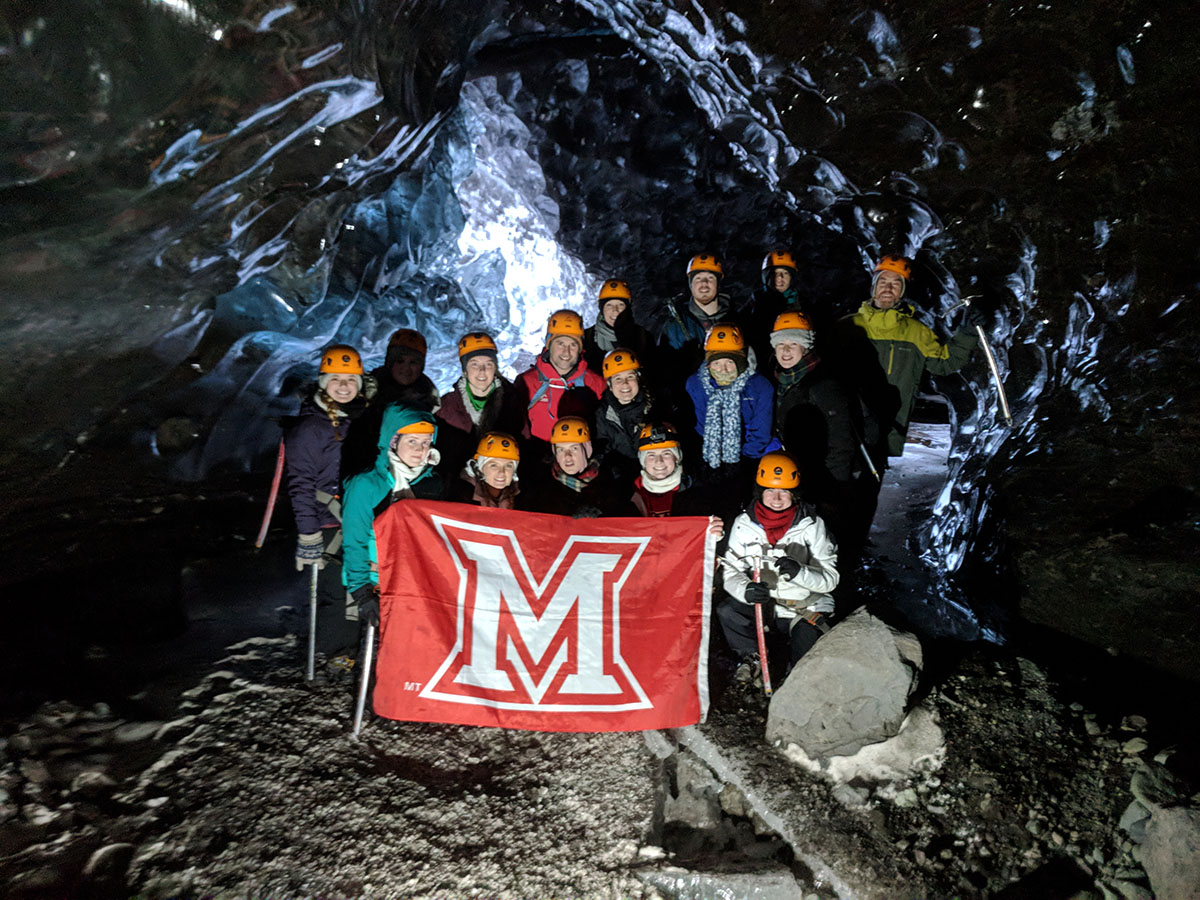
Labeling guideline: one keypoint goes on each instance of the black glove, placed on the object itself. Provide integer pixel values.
(367, 598)
(973, 316)
(787, 567)
(757, 592)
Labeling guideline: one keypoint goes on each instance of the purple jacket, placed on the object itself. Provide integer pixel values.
(313, 454)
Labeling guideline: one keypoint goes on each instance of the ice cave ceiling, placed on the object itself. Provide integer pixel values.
(195, 196)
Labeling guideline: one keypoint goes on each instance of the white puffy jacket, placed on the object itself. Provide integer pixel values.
(806, 541)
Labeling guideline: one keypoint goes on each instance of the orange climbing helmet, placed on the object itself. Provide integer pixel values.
(475, 342)
(618, 361)
(724, 337)
(779, 259)
(498, 445)
(778, 471)
(705, 262)
(565, 322)
(570, 430)
(790, 320)
(341, 359)
(897, 264)
(615, 289)
(658, 436)
(407, 339)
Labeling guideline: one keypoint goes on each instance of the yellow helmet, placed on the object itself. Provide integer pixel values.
(618, 361)
(897, 264)
(789, 320)
(341, 360)
(615, 289)
(407, 339)
(498, 445)
(567, 322)
(724, 337)
(570, 430)
(475, 342)
(778, 259)
(778, 470)
(657, 436)
(705, 262)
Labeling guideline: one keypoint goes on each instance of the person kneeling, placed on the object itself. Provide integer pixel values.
(779, 556)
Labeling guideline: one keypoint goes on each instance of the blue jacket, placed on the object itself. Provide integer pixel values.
(758, 400)
(313, 454)
(366, 491)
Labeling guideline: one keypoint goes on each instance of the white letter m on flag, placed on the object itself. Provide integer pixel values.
(552, 644)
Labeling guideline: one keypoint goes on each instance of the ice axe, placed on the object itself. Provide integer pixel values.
(309, 672)
(364, 680)
(760, 630)
(266, 522)
(989, 356)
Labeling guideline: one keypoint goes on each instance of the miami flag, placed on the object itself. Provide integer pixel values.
(526, 620)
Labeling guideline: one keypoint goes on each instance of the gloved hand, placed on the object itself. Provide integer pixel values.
(367, 598)
(787, 567)
(757, 593)
(973, 315)
(310, 551)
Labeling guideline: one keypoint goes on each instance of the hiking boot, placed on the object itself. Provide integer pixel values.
(747, 670)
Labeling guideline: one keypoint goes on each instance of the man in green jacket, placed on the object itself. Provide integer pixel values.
(907, 349)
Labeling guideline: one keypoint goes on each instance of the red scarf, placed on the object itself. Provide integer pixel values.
(656, 505)
(775, 524)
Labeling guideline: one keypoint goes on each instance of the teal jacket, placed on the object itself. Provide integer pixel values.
(365, 492)
(908, 349)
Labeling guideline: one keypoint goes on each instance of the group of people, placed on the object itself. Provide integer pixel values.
(752, 415)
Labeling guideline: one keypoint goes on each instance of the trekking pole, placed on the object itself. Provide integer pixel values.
(762, 639)
(870, 462)
(364, 680)
(310, 673)
(266, 522)
(990, 357)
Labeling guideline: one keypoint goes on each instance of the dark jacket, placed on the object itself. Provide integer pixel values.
(312, 455)
(617, 426)
(819, 422)
(459, 433)
(630, 335)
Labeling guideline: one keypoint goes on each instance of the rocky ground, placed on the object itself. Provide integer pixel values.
(188, 772)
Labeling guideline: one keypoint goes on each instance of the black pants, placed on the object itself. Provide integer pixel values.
(737, 622)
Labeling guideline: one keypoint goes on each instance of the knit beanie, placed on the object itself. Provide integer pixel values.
(739, 359)
(805, 337)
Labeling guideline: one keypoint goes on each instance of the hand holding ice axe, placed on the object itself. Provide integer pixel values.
(974, 316)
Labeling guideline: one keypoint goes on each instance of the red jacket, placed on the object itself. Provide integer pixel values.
(545, 389)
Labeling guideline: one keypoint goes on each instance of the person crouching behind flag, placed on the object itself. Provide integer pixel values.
(662, 489)
(577, 486)
(781, 556)
(492, 472)
(404, 468)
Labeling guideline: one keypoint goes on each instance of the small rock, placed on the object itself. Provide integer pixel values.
(109, 863)
(132, 732)
(906, 798)
(1133, 723)
(1056, 838)
(1154, 786)
(851, 797)
(37, 814)
(1091, 727)
(651, 852)
(35, 770)
(1035, 827)
(1133, 820)
(1130, 890)
(1134, 746)
(92, 784)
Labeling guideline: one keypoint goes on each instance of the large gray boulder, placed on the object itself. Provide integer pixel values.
(849, 690)
(1166, 830)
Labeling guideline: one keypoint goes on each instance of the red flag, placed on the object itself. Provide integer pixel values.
(527, 620)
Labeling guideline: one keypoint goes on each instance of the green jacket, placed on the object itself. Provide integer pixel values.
(907, 349)
(364, 493)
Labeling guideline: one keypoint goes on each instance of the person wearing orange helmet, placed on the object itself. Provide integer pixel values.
(313, 450)
(905, 349)
(559, 376)
(577, 485)
(662, 488)
(779, 556)
(624, 408)
(779, 293)
(405, 467)
(492, 472)
(402, 377)
(732, 405)
(482, 400)
(614, 326)
(691, 317)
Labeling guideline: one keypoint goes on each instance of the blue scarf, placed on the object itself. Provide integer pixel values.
(723, 420)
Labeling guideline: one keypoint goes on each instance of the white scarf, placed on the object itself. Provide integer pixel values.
(404, 474)
(662, 485)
